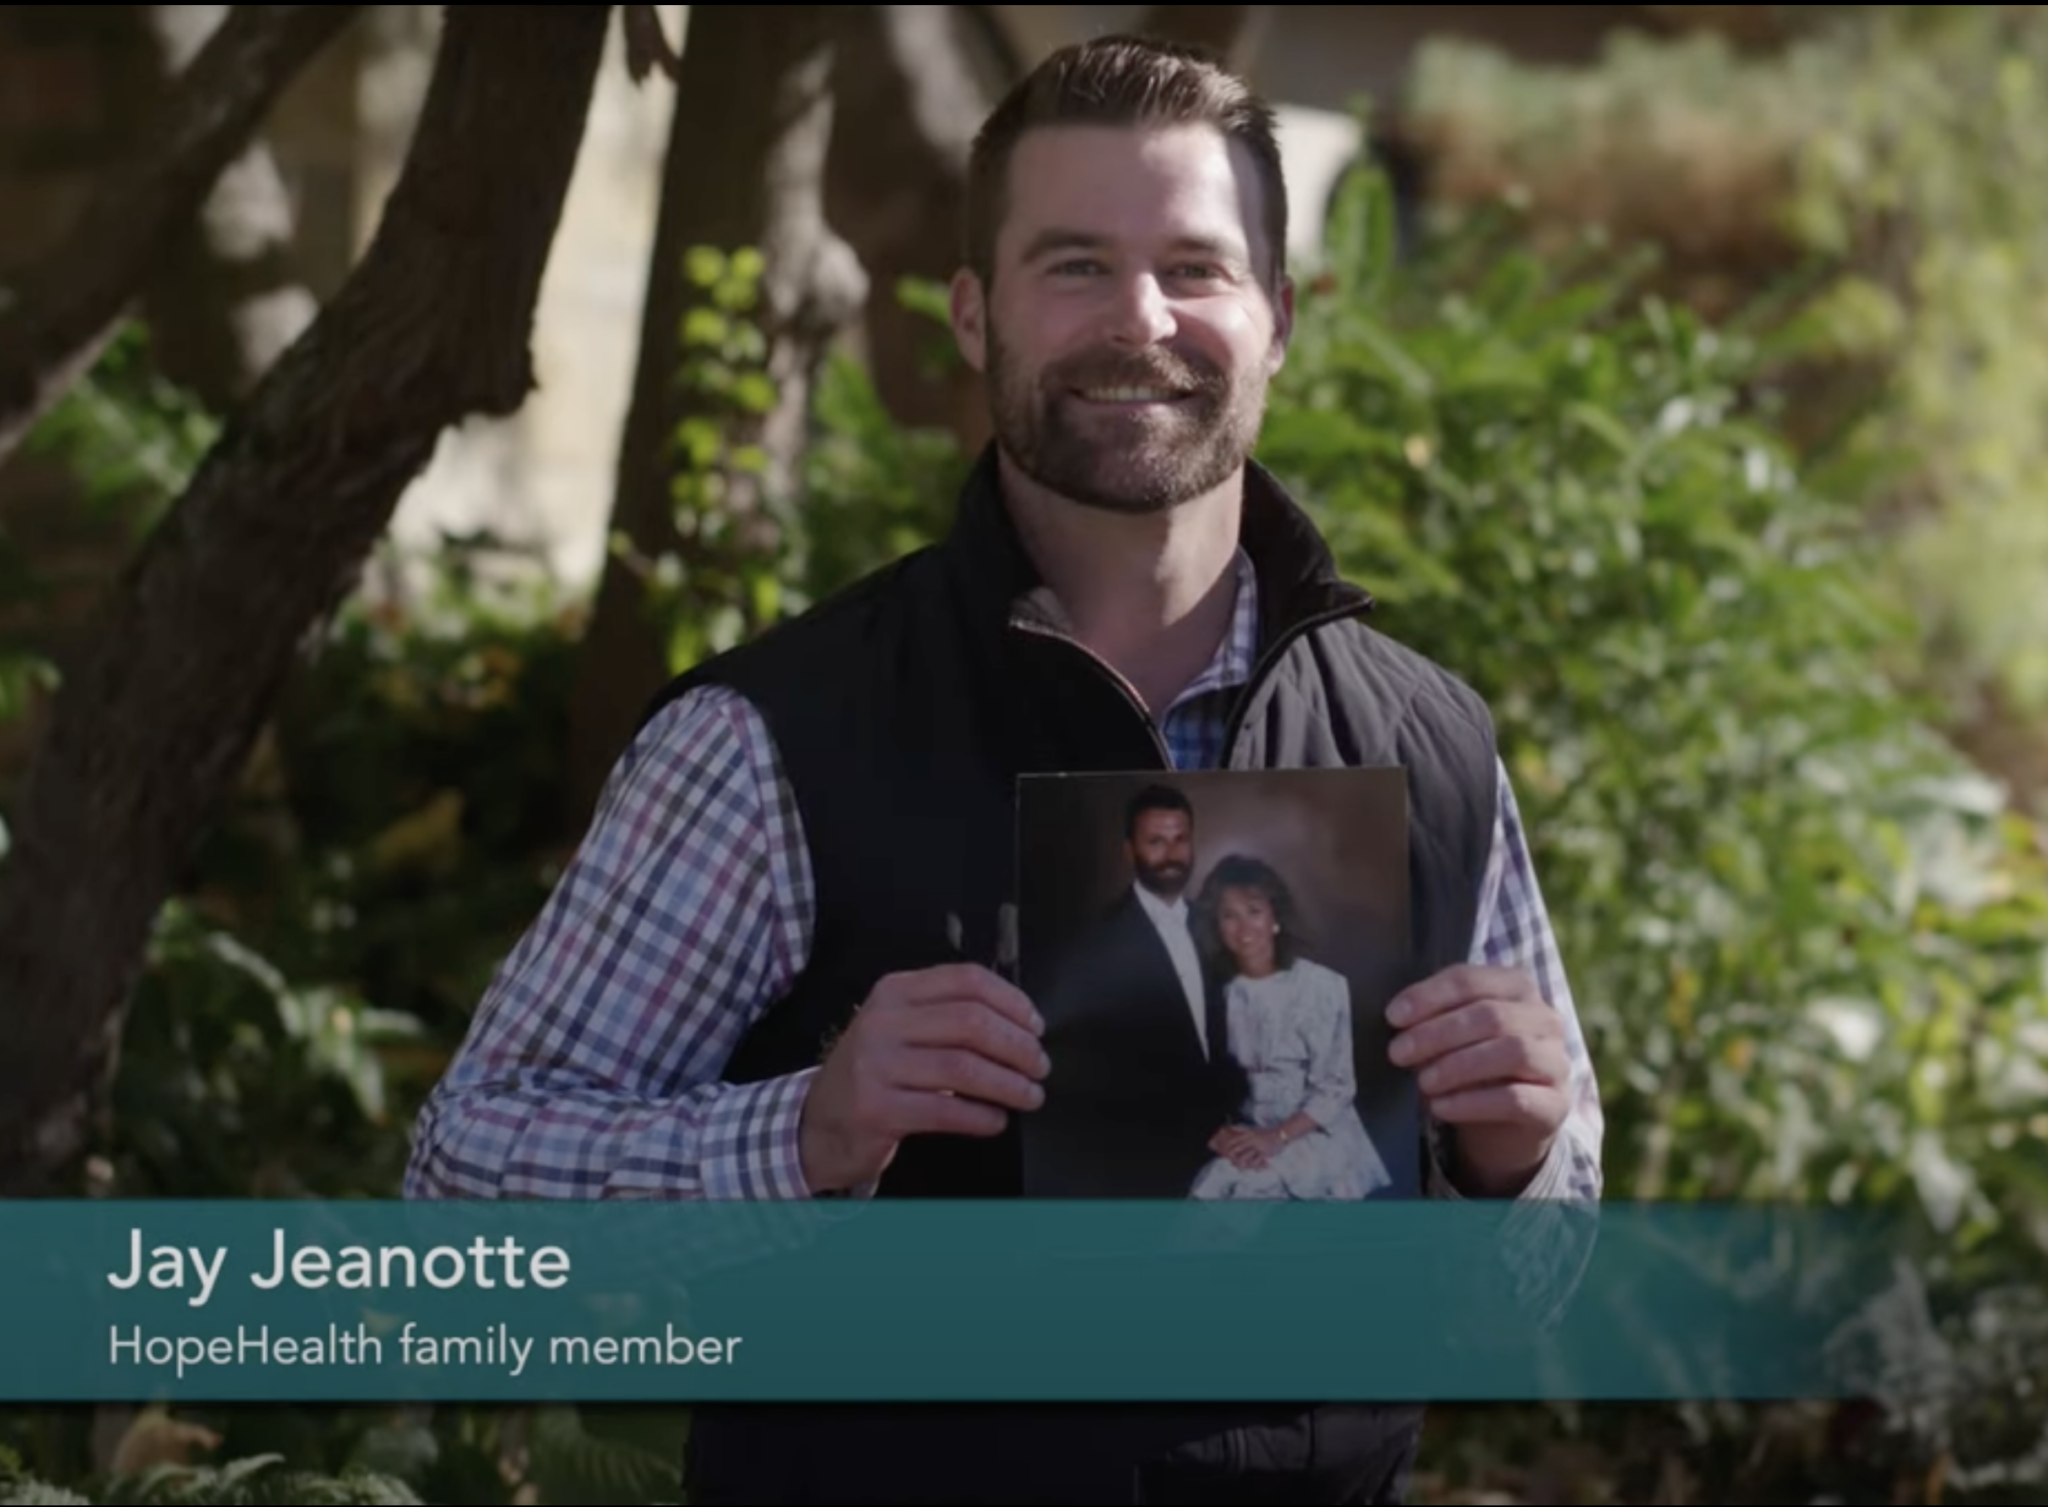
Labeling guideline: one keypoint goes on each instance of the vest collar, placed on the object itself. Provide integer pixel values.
(1298, 578)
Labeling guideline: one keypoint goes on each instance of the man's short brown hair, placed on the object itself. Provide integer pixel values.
(1123, 81)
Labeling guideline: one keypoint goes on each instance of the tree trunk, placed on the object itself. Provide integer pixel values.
(1232, 31)
(152, 727)
(226, 301)
(68, 307)
(745, 169)
(897, 189)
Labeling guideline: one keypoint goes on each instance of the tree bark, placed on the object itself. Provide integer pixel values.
(897, 190)
(67, 308)
(745, 169)
(226, 300)
(1232, 31)
(647, 44)
(154, 723)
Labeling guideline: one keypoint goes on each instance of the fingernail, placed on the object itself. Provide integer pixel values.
(1037, 1024)
(1044, 1064)
(1400, 1012)
(1429, 1080)
(1401, 1050)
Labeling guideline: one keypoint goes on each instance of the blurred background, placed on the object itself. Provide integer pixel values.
(1675, 373)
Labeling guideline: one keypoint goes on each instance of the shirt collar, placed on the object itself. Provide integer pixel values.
(1230, 666)
(1157, 908)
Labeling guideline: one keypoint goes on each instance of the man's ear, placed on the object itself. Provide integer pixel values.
(969, 308)
(1283, 321)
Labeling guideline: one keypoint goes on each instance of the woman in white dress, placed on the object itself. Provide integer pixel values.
(1289, 1020)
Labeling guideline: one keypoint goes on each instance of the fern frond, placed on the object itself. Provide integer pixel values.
(20, 1489)
(565, 1451)
(25, 1491)
(260, 1481)
(351, 1488)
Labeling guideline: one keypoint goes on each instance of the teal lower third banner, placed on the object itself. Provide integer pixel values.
(914, 1301)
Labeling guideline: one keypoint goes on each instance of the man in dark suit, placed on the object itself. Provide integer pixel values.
(1135, 1021)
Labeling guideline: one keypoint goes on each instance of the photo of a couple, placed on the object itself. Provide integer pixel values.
(1212, 954)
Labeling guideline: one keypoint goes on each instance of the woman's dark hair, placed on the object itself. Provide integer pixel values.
(1239, 872)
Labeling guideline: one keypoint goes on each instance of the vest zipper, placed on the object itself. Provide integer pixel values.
(1234, 728)
(1109, 672)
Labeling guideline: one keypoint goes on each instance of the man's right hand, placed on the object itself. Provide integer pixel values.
(942, 1051)
(1239, 1145)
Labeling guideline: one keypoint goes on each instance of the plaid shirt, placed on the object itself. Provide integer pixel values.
(592, 1067)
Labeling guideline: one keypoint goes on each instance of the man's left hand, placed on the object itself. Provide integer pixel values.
(1489, 1054)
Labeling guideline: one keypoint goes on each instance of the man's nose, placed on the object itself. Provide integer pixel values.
(1142, 314)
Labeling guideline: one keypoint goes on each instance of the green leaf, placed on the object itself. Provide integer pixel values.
(705, 327)
(704, 266)
(754, 393)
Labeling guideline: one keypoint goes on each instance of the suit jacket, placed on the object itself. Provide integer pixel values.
(1133, 1098)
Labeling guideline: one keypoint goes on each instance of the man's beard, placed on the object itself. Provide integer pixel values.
(1145, 461)
(1166, 879)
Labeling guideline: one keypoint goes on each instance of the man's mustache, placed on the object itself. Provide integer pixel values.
(1162, 369)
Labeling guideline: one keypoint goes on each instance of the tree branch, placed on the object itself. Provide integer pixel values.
(224, 298)
(150, 731)
(65, 310)
(647, 45)
(746, 160)
(895, 189)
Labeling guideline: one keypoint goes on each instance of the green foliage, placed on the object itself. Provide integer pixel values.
(242, 1080)
(130, 440)
(1901, 147)
(19, 1488)
(1798, 924)
(498, 1456)
(131, 437)
(756, 547)
(395, 836)
(1927, 183)
(30, 1493)
(1808, 943)
(1656, 120)
(723, 583)
(255, 1481)
(574, 1461)
(874, 490)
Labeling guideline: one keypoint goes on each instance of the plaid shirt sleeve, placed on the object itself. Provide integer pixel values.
(591, 1069)
(1550, 1235)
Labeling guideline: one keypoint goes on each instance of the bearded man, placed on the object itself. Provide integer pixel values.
(764, 976)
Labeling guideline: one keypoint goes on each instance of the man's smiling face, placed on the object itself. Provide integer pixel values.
(1132, 327)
